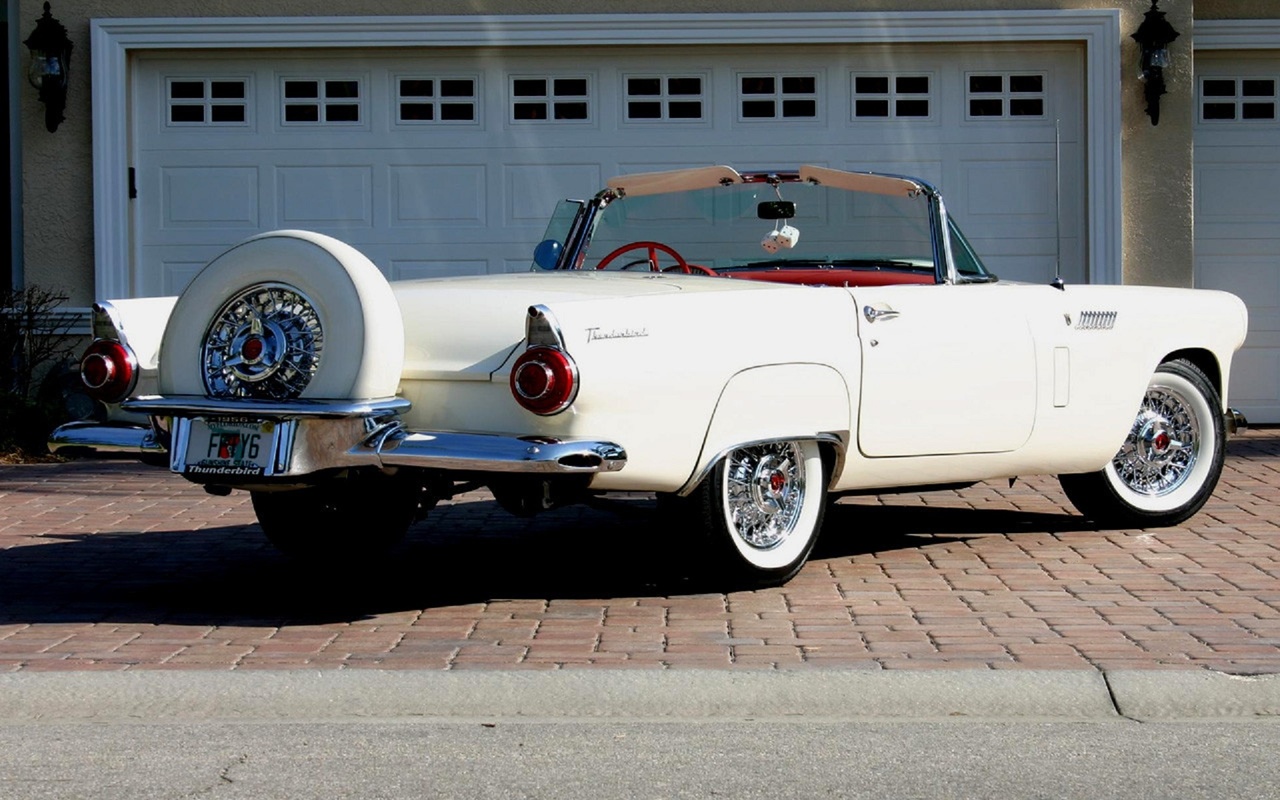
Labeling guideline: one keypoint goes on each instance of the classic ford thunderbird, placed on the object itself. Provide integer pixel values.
(743, 345)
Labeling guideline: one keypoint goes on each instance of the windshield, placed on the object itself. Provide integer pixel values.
(722, 229)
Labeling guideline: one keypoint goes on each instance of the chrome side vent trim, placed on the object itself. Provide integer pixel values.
(1096, 320)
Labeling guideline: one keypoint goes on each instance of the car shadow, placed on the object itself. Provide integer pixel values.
(471, 552)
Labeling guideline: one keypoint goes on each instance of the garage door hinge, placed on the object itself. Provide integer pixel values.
(133, 184)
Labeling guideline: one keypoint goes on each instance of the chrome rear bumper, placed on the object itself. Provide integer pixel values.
(326, 435)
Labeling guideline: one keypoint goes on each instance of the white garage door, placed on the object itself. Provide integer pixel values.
(1237, 211)
(446, 162)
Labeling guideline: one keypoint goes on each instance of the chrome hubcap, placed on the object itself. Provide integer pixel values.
(764, 490)
(1162, 448)
(264, 343)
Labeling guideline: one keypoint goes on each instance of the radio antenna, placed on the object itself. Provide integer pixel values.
(1057, 283)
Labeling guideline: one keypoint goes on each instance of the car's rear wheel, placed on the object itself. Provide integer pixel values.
(1169, 463)
(762, 508)
(355, 516)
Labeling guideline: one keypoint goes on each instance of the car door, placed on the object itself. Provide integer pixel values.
(946, 369)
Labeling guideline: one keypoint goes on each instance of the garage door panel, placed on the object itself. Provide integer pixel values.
(428, 195)
(1237, 214)
(324, 195)
(213, 196)
(533, 190)
(417, 199)
(1238, 193)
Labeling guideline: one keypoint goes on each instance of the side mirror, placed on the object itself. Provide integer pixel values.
(776, 209)
(547, 254)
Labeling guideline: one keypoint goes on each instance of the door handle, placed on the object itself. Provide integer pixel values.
(873, 314)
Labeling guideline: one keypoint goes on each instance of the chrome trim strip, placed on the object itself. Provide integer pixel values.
(829, 438)
(198, 405)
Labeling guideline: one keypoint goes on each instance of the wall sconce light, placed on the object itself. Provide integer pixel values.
(50, 60)
(1154, 36)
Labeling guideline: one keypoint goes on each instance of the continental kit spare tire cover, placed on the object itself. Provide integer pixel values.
(285, 315)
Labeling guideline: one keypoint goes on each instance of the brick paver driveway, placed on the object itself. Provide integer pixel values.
(118, 566)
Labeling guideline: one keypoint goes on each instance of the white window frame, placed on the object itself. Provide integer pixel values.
(114, 40)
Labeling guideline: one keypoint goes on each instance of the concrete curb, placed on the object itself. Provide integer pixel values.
(288, 695)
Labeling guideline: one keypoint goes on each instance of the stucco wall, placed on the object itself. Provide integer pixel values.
(1157, 208)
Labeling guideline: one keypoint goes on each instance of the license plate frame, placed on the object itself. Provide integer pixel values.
(231, 447)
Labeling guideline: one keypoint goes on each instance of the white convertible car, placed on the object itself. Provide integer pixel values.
(746, 345)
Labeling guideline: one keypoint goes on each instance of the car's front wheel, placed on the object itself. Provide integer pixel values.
(353, 517)
(1169, 463)
(762, 508)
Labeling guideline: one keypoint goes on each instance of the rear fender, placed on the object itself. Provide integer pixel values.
(780, 401)
(138, 323)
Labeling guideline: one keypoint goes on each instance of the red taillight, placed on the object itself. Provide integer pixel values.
(109, 370)
(544, 380)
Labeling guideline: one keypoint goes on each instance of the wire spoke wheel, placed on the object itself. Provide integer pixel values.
(1170, 461)
(761, 508)
(265, 343)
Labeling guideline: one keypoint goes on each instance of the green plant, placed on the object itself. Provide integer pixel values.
(36, 344)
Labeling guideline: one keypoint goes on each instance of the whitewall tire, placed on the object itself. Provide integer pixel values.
(1170, 462)
(762, 507)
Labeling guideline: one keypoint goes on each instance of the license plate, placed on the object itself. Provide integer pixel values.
(231, 446)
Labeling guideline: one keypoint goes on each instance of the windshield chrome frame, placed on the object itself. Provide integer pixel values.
(944, 264)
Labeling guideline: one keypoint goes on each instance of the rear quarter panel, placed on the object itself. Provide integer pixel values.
(676, 379)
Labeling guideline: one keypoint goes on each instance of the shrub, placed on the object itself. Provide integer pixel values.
(36, 345)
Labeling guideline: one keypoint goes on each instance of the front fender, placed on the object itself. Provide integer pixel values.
(778, 401)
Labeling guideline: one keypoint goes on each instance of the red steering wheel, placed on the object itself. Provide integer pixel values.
(652, 249)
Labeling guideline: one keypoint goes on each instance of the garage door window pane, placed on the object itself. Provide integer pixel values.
(1258, 88)
(332, 101)
(1008, 95)
(890, 96)
(912, 108)
(186, 90)
(226, 113)
(547, 99)
(663, 98)
(985, 84)
(341, 113)
(1247, 100)
(644, 87)
(684, 87)
(186, 113)
(911, 84)
(684, 110)
(301, 114)
(799, 108)
(425, 100)
(571, 110)
(865, 85)
(571, 87)
(207, 102)
(458, 112)
(646, 110)
(417, 88)
(792, 97)
(1218, 88)
(417, 112)
(301, 89)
